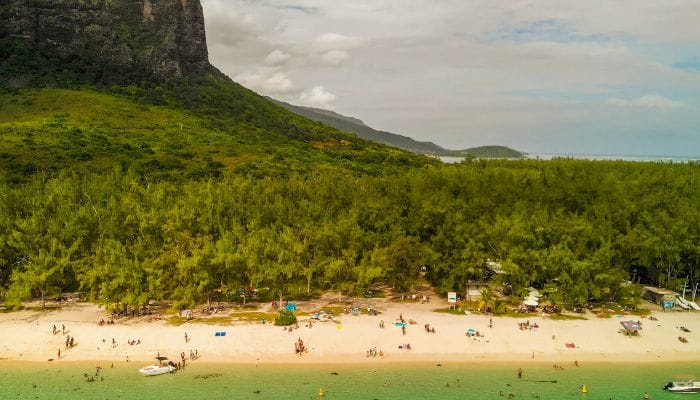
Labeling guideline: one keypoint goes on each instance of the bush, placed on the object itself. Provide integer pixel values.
(285, 318)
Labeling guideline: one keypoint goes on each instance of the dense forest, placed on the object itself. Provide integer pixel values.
(577, 229)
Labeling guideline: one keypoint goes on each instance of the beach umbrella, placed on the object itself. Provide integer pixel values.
(161, 358)
(631, 325)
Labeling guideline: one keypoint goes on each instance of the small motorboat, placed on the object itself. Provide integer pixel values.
(153, 370)
(158, 369)
(683, 387)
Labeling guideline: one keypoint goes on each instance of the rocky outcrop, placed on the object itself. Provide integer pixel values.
(113, 41)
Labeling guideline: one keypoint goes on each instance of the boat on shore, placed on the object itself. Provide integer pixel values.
(683, 387)
(158, 369)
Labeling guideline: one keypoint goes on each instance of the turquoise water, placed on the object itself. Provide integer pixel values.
(368, 381)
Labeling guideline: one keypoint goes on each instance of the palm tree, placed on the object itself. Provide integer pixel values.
(487, 299)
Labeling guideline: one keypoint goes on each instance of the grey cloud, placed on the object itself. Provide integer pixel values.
(442, 70)
(277, 57)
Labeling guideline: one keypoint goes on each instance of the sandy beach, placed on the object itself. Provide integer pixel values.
(27, 336)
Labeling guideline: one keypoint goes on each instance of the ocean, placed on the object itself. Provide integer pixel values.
(363, 381)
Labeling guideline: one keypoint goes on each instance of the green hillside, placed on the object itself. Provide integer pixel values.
(191, 135)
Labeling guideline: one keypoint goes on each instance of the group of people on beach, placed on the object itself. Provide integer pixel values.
(526, 326)
(108, 322)
(55, 330)
(429, 329)
(374, 353)
(70, 340)
(299, 347)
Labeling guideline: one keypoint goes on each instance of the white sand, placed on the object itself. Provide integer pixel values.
(26, 336)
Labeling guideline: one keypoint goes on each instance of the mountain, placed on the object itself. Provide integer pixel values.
(356, 126)
(93, 84)
(102, 41)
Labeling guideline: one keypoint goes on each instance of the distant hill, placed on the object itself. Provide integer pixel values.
(349, 124)
(354, 125)
(488, 152)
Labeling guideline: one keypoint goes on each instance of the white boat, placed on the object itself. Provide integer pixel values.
(152, 370)
(683, 387)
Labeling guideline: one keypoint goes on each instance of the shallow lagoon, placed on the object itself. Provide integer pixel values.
(363, 381)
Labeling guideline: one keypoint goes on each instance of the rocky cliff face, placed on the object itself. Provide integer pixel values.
(112, 41)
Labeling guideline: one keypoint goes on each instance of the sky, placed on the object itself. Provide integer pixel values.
(552, 76)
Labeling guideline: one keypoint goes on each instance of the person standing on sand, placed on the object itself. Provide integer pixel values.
(59, 354)
(186, 338)
(520, 373)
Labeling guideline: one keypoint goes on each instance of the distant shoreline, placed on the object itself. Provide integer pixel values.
(612, 157)
(591, 157)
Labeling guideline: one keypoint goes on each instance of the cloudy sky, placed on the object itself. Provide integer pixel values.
(598, 76)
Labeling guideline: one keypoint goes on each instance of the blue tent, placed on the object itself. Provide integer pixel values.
(291, 307)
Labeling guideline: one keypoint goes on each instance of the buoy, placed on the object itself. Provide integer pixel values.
(320, 392)
(584, 389)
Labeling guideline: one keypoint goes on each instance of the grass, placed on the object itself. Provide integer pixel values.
(607, 310)
(245, 316)
(566, 317)
(334, 310)
(177, 321)
(451, 310)
(254, 316)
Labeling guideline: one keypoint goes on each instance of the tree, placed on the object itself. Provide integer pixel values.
(41, 273)
(403, 259)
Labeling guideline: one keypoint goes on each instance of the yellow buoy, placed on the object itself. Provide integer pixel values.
(584, 389)
(320, 392)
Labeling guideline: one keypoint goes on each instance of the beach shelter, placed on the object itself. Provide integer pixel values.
(533, 298)
(631, 327)
(531, 302)
(291, 307)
